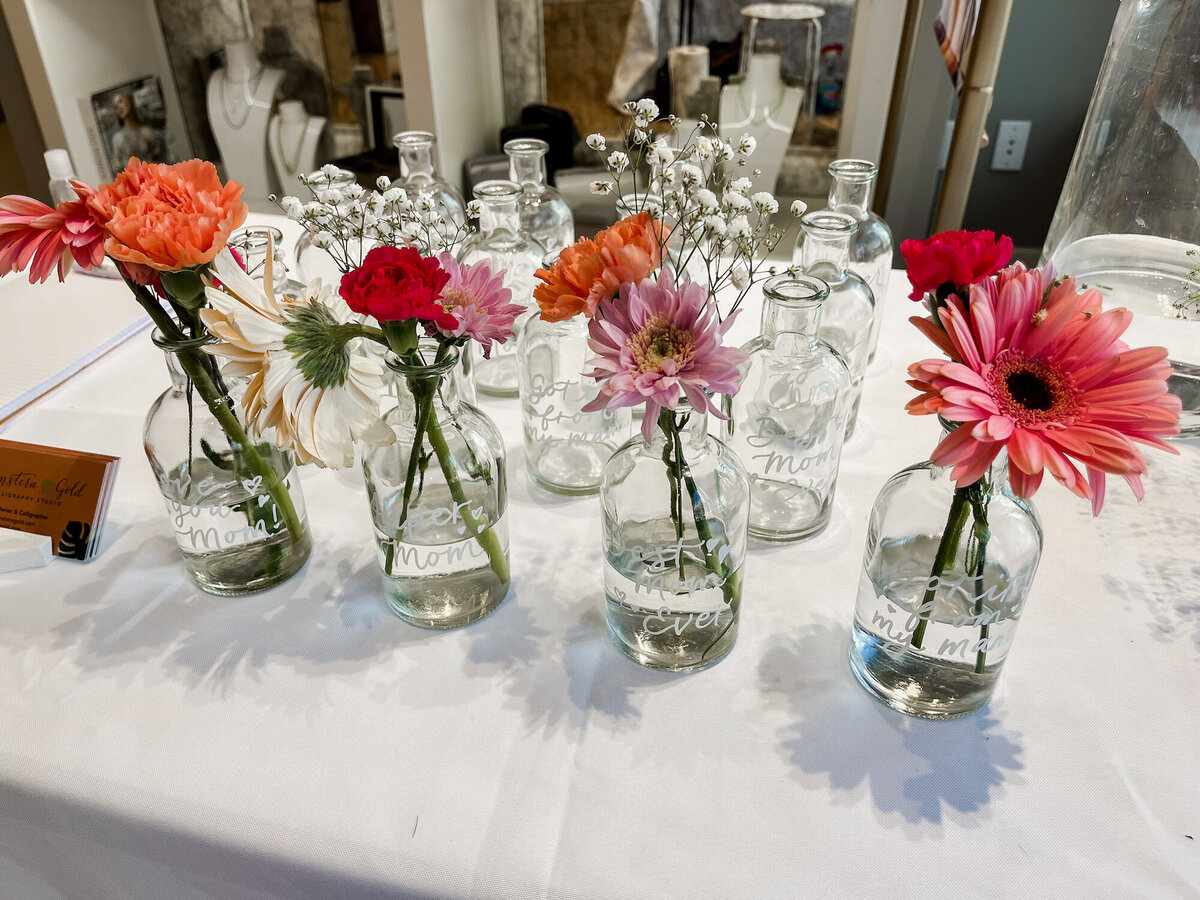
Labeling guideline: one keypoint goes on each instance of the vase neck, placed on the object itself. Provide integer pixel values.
(527, 163)
(435, 377)
(498, 206)
(853, 184)
(180, 382)
(416, 156)
(792, 312)
(826, 247)
(691, 423)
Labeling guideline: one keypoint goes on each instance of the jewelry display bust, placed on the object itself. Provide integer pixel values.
(765, 107)
(240, 97)
(293, 137)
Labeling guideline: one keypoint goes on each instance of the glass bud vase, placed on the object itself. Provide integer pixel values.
(945, 575)
(871, 248)
(501, 242)
(438, 497)
(788, 420)
(545, 214)
(674, 540)
(419, 176)
(254, 244)
(235, 505)
(566, 449)
(848, 313)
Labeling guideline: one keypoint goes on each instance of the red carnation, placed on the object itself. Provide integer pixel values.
(956, 258)
(397, 283)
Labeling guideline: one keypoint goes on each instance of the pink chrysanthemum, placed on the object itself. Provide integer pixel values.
(1040, 370)
(656, 340)
(43, 239)
(477, 298)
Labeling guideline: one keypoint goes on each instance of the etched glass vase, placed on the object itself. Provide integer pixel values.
(848, 313)
(235, 504)
(788, 420)
(438, 496)
(675, 513)
(501, 241)
(946, 572)
(566, 448)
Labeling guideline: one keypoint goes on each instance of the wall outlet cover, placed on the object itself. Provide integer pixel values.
(1012, 138)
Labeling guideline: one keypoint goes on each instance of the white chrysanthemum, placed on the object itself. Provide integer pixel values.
(765, 203)
(315, 402)
(596, 142)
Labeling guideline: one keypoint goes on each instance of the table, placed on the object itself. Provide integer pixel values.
(303, 742)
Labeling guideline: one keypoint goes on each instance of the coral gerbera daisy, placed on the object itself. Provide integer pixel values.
(1042, 373)
(44, 238)
(317, 395)
(477, 298)
(590, 271)
(660, 339)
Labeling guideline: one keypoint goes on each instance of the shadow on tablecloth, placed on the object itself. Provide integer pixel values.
(916, 772)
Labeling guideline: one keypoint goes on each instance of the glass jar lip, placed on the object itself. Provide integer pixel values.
(341, 177)
(526, 146)
(428, 370)
(413, 139)
(829, 222)
(853, 169)
(255, 236)
(497, 189)
(796, 290)
(174, 345)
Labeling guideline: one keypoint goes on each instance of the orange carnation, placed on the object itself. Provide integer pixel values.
(168, 217)
(593, 270)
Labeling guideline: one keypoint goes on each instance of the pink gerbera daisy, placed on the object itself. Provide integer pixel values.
(657, 340)
(43, 239)
(477, 298)
(1040, 370)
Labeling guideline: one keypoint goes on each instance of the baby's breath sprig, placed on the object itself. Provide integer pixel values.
(346, 220)
(695, 187)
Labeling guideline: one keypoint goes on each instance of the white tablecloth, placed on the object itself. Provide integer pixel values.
(159, 742)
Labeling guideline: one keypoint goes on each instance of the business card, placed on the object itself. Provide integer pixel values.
(60, 493)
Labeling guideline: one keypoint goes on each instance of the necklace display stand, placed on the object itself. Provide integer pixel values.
(293, 137)
(240, 97)
(765, 107)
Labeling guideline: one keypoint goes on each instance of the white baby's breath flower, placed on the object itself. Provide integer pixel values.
(662, 153)
(474, 209)
(322, 240)
(736, 201)
(618, 161)
(640, 136)
(292, 207)
(715, 225)
(765, 203)
(799, 207)
(690, 175)
(596, 142)
(629, 107)
(740, 277)
(703, 147)
(424, 202)
(746, 145)
(329, 171)
(739, 228)
(740, 185)
(332, 196)
(382, 183)
(724, 151)
(394, 195)
(706, 200)
(600, 187)
(647, 108)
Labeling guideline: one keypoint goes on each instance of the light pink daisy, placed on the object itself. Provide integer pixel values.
(1039, 370)
(659, 339)
(45, 239)
(477, 298)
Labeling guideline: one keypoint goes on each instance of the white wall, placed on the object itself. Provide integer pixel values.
(450, 60)
(81, 48)
(874, 49)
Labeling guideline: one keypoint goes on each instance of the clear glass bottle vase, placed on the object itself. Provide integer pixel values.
(419, 176)
(675, 514)
(788, 420)
(946, 572)
(871, 247)
(566, 448)
(235, 504)
(501, 241)
(847, 315)
(438, 497)
(545, 214)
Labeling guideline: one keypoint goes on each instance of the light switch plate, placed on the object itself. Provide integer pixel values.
(1012, 137)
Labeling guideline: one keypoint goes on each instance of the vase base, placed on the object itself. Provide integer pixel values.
(682, 648)
(917, 685)
(445, 601)
(249, 569)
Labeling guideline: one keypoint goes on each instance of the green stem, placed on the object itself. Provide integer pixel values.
(671, 457)
(424, 415)
(198, 372)
(947, 548)
(982, 535)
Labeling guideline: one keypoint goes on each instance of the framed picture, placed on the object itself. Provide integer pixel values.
(131, 120)
(385, 114)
